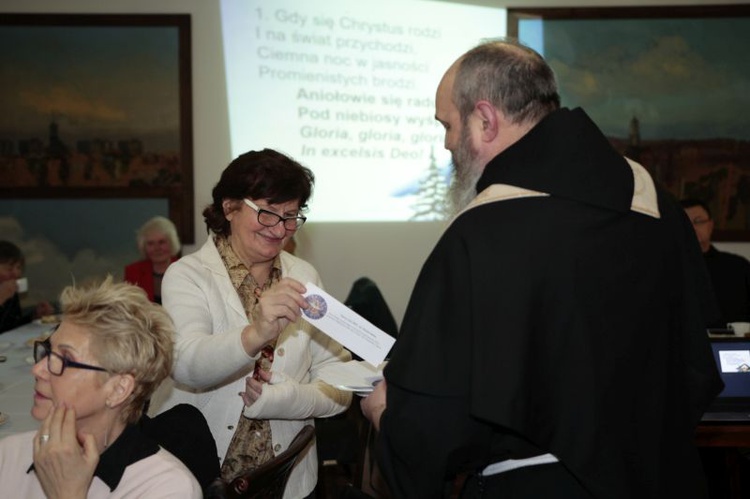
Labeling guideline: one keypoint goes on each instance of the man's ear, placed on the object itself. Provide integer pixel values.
(489, 118)
(120, 390)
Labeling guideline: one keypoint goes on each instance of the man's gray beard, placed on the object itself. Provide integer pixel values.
(466, 173)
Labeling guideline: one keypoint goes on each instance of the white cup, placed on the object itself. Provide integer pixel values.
(23, 284)
(739, 328)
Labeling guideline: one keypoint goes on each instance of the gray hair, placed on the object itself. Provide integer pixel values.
(162, 225)
(509, 75)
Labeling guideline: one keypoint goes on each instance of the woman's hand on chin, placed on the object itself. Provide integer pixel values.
(64, 461)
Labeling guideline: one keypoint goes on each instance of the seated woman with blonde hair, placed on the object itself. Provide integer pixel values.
(93, 376)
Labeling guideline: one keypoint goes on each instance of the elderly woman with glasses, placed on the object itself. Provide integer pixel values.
(93, 376)
(244, 356)
(159, 245)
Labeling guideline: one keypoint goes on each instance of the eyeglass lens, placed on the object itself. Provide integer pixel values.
(40, 351)
(43, 349)
(270, 219)
(56, 363)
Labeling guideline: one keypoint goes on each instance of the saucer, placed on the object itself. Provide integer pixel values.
(49, 320)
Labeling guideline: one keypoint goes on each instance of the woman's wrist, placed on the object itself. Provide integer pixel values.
(252, 341)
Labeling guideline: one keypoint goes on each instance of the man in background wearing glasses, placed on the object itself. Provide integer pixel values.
(730, 273)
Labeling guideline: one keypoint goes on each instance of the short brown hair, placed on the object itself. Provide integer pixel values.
(265, 174)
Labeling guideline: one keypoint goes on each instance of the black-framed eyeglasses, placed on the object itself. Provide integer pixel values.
(271, 219)
(56, 363)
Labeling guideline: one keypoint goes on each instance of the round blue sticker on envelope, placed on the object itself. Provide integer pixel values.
(318, 307)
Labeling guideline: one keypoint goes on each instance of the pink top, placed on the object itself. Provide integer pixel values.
(159, 475)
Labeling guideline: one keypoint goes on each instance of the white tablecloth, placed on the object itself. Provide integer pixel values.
(16, 380)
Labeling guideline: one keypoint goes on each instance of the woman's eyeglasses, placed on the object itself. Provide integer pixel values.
(56, 363)
(271, 219)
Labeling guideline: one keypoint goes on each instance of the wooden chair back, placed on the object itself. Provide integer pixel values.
(268, 480)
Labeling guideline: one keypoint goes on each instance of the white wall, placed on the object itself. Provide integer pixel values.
(389, 253)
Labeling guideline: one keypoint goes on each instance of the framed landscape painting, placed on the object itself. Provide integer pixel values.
(97, 107)
(669, 87)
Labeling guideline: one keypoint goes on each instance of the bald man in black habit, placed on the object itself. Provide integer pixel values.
(554, 344)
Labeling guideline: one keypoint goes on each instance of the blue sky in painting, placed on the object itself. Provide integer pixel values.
(682, 78)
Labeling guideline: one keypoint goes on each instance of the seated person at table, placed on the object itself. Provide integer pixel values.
(93, 376)
(730, 274)
(159, 245)
(11, 269)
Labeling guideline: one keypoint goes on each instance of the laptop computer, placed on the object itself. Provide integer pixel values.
(732, 356)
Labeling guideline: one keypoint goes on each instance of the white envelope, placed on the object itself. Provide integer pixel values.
(346, 326)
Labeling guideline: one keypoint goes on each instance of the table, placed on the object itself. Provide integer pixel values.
(729, 436)
(723, 435)
(16, 380)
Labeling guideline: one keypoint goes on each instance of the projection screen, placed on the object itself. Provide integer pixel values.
(348, 89)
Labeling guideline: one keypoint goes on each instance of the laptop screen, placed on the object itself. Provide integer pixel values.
(732, 356)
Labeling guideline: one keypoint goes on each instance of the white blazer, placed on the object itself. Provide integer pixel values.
(211, 365)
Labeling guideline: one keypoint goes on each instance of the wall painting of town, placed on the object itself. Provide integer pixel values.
(669, 86)
(97, 107)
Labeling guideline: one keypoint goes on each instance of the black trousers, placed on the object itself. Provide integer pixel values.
(548, 481)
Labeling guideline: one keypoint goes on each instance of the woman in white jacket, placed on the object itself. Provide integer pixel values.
(244, 356)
